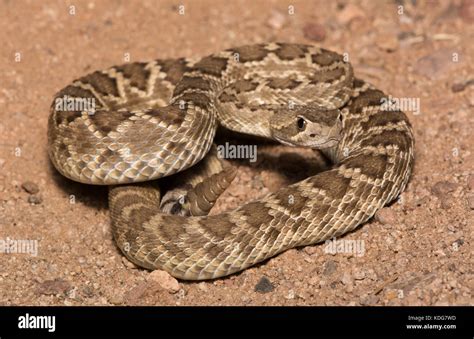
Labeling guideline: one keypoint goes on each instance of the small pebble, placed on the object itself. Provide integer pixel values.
(329, 267)
(35, 199)
(88, 292)
(313, 281)
(458, 87)
(470, 202)
(134, 295)
(359, 274)
(346, 279)
(386, 216)
(128, 263)
(441, 188)
(453, 283)
(277, 20)
(116, 300)
(435, 65)
(349, 288)
(459, 242)
(203, 287)
(310, 250)
(165, 280)
(470, 182)
(369, 300)
(53, 287)
(314, 32)
(264, 286)
(466, 10)
(30, 187)
(390, 295)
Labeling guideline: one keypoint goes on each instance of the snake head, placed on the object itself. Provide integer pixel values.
(307, 126)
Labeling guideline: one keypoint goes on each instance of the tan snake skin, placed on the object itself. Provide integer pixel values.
(155, 119)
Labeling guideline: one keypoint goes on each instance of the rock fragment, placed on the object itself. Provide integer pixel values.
(35, 199)
(386, 216)
(441, 188)
(165, 280)
(30, 187)
(54, 287)
(276, 20)
(329, 267)
(264, 286)
(314, 32)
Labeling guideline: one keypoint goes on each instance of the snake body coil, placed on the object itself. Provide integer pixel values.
(154, 119)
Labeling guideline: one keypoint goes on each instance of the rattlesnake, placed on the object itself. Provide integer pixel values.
(156, 119)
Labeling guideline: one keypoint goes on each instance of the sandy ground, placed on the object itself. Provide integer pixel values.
(418, 251)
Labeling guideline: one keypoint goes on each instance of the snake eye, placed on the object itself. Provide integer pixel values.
(301, 123)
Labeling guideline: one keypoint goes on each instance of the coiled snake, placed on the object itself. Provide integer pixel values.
(151, 120)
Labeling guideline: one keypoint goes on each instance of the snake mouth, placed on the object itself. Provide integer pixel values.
(285, 142)
(331, 142)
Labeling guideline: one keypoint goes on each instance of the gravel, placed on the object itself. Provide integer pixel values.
(70, 221)
(264, 286)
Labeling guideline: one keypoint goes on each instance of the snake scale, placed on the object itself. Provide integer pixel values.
(155, 119)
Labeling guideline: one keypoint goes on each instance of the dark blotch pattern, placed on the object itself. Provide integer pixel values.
(257, 214)
(369, 164)
(66, 117)
(136, 73)
(227, 97)
(199, 99)
(389, 137)
(191, 83)
(174, 69)
(327, 75)
(358, 83)
(291, 199)
(291, 51)
(333, 183)
(371, 97)
(384, 118)
(106, 121)
(211, 65)
(243, 85)
(171, 115)
(282, 83)
(217, 226)
(250, 53)
(326, 58)
(102, 83)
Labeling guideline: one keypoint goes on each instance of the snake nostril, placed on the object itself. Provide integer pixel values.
(312, 135)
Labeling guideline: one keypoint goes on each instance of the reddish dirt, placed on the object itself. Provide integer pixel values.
(417, 251)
